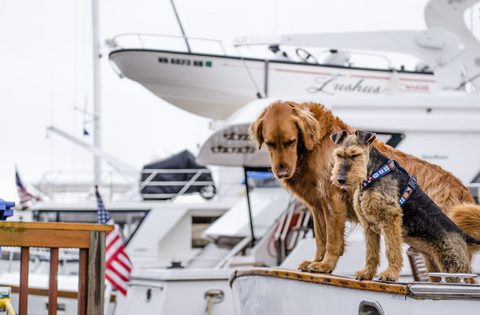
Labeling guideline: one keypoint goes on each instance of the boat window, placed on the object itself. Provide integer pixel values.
(262, 179)
(200, 224)
(127, 220)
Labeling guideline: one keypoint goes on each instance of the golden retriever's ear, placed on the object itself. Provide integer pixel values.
(256, 129)
(365, 137)
(308, 126)
(338, 137)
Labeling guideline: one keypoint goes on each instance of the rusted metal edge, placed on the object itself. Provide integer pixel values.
(323, 278)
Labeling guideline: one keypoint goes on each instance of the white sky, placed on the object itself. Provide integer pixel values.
(45, 70)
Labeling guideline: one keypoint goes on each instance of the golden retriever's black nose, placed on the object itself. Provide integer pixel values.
(341, 180)
(282, 172)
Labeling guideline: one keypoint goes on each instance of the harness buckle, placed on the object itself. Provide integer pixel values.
(412, 182)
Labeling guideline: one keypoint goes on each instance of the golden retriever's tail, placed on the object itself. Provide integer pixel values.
(467, 217)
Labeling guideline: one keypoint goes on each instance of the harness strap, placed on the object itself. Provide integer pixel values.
(412, 184)
(382, 171)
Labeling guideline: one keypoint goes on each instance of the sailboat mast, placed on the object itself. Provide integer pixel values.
(96, 91)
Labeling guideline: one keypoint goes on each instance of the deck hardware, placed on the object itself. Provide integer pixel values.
(217, 295)
(149, 295)
(398, 297)
(443, 275)
(370, 307)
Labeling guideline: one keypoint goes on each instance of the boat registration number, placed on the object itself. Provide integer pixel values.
(185, 62)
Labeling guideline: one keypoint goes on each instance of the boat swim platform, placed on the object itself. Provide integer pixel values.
(415, 290)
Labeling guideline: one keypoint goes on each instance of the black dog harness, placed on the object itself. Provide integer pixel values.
(384, 170)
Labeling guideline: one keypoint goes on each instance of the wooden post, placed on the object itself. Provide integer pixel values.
(53, 283)
(96, 274)
(23, 294)
(82, 282)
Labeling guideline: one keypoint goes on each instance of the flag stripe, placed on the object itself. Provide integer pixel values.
(120, 271)
(116, 281)
(118, 265)
(123, 265)
(24, 195)
(124, 260)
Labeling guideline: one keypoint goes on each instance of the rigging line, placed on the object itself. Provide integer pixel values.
(259, 94)
(468, 80)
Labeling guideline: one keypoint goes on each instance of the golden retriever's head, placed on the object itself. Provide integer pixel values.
(286, 128)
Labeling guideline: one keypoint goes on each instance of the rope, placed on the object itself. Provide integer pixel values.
(7, 303)
(209, 305)
(259, 94)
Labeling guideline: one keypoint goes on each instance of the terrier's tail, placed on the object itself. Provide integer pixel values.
(471, 240)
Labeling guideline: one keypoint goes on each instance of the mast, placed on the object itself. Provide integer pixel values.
(96, 91)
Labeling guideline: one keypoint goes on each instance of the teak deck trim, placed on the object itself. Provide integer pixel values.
(323, 278)
(55, 226)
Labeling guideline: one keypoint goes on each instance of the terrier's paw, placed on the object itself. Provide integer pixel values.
(304, 265)
(388, 275)
(365, 274)
(320, 267)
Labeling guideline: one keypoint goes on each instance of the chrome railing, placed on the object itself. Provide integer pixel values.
(142, 41)
(77, 186)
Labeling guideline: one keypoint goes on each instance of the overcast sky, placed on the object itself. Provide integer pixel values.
(45, 71)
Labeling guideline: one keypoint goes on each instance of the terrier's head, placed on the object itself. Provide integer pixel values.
(351, 157)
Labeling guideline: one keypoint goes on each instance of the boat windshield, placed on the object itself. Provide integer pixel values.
(214, 252)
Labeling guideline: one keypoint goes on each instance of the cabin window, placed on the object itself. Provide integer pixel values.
(200, 224)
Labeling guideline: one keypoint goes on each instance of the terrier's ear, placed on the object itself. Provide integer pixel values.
(365, 137)
(256, 129)
(338, 137)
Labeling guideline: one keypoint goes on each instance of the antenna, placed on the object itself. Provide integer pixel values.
(96, 91)
(181, 27)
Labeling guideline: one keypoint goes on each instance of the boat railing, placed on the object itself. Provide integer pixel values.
(88, 238)
(185, 185)
(76, 186)
(474, 190)
(161, 41)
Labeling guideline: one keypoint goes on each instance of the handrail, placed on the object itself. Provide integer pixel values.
(89, 238)
(114, 41)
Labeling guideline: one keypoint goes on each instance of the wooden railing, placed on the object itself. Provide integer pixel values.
(89, 238)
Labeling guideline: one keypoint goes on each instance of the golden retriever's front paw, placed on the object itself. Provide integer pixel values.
(365, 274)
(389, 275)
(304, 265)
(320, 267)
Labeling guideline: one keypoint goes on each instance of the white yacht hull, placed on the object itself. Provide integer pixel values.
(258, 292)
(215, 86)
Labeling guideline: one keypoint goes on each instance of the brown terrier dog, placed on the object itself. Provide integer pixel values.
(297, 137)
(388, 201)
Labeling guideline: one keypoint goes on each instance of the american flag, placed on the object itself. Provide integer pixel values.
(118, 265)
(24, 195)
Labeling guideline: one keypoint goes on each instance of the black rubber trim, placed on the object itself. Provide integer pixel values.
(394, 140)
(261, 60)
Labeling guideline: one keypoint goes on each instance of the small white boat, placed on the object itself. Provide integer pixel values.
(204, 79)
(282, 291)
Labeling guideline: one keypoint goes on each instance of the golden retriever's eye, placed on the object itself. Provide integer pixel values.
(271, 145)
(289, 143)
